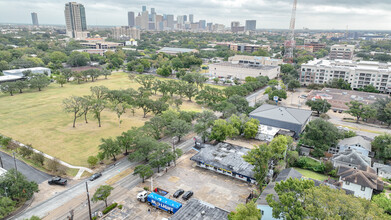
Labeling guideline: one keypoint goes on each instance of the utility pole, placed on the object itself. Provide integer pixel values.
(1, 162)
(88, 199)
(173, 150)
(14, 161)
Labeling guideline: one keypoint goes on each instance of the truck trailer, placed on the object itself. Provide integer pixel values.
(160, 202)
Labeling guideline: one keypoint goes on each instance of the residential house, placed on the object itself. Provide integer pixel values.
(363, 182)
(357, 143)
(382, 170)
(351, 158)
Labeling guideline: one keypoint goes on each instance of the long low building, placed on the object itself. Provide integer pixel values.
(19, 72)
(226, 159)
(199, 210)
(241, 71)
(174, 50)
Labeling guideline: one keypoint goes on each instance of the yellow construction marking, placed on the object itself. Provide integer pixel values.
(173, 179)
(118, 177)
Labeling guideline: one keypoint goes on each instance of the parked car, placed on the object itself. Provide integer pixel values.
(58, 181)
(340, 111)
(335, 110)
(187, 195)
(95, 176)
(178, 193)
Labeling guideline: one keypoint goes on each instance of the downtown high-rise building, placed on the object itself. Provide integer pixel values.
(191, 18)
(131, 19)
(75, 19)
(170, 21)
(202, 24)
(34, 18)
(144, 8)
(251, 25)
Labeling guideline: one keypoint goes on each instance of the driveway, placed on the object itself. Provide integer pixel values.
(31, 173)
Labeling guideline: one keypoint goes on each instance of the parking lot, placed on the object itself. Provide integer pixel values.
(217, 189)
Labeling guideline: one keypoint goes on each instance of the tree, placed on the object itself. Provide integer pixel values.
(238, 122)
(176, 63)
(259, 157)
(18, 187)
(106, 73)
(67, 73)
(251, 128)
(6, 206)
(92, 160)
(155, 126)
(321, 135)
(240, 103)
(8, 87)
(128, 139)
(159, 106)
(281, 94)
(382, 146)
(144, 171)
(86, 105)
(293, 84)
(221, 130)
(383, 109)
(359, 110)
(73, 105)
(61, 80)
(102, 193)
(247, 211)
(78, 59)
(120, 109)
(319, 105)
(142, 148)
(145, 104)
(204, 122)
(178, 128)
(97, 106)
(164, 71)
(109, 148)
(190, 90)
(145, 80)
(58, 57)
(383, 202)
(290, 203)
(39, 81)
(161, 155)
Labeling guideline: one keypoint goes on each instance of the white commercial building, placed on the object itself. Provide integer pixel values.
(357, 74)
(19, 72)
(241, 71)
(255, 60)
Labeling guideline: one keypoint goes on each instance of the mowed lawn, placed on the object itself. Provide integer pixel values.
(312, 174)
(38, 118)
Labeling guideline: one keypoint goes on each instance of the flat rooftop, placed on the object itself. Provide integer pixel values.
(9, 78)
(24, 69)
(176, 50)
(338, 97)
(199, 210)
(245, 66)
(226, 156)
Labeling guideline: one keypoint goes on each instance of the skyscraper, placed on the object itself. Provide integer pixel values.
(144, 20)
(170, 21)
(251, 25)
(34, 17)
(191, 18)
(184, 18)
(144, 8)
(153, 11)
(131, 19)
(75, 19)
(202, 24)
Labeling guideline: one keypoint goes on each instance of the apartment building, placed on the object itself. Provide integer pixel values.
(126, 33)
(344, 52)
(357, 74)
(76, 22)
(315, 45)
(250, 48)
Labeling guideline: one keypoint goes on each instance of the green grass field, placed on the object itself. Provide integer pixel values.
(312, 174)
(37, 118)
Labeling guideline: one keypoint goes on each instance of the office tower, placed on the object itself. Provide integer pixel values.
(191, 18)
(153, 11)
(138, 20)
(202, 24)
(184, 18)
(180, 19)
(209, 26)
(170, 21)
(145, 20)
(34, 17)
(251, 25)
(75, 19)
(144, 8)
(235, 27)
(131, 19)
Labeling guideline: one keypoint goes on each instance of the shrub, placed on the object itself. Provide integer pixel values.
(53, 165)
(25, 151)
(333, 173)
(5, 141)
(120, 206)
(328, 167)
(92, 160)
(38, 158)
(94, 218)
(109, 208)
(324, 116)
(146, 188)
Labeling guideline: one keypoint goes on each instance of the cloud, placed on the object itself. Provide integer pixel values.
(314, 14)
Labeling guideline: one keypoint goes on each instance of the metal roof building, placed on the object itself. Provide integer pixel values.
(19, 72)
(174, 50)
(226, 159)
(198, 210)
(282, 117)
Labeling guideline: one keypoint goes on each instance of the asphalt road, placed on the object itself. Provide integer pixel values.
(44, 208)
(256, 97)
(31, 173)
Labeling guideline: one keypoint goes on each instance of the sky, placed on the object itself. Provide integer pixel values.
(270, 14)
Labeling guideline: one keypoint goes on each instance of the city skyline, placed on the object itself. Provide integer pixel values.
(313, 14)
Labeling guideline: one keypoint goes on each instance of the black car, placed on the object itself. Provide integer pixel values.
(335, 110)
(58, 181)
(178, 193)
(95, 176)
(187, 195)
(340, 111)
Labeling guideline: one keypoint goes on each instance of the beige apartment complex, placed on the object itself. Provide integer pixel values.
(126, 33)
(344, 52)
(357, 74)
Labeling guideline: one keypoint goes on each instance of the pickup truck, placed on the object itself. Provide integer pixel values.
(58, 181)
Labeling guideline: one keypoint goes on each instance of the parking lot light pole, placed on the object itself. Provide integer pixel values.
(15, 161)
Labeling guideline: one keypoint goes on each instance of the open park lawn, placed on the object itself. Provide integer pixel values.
(312, 174)
(38, 118)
